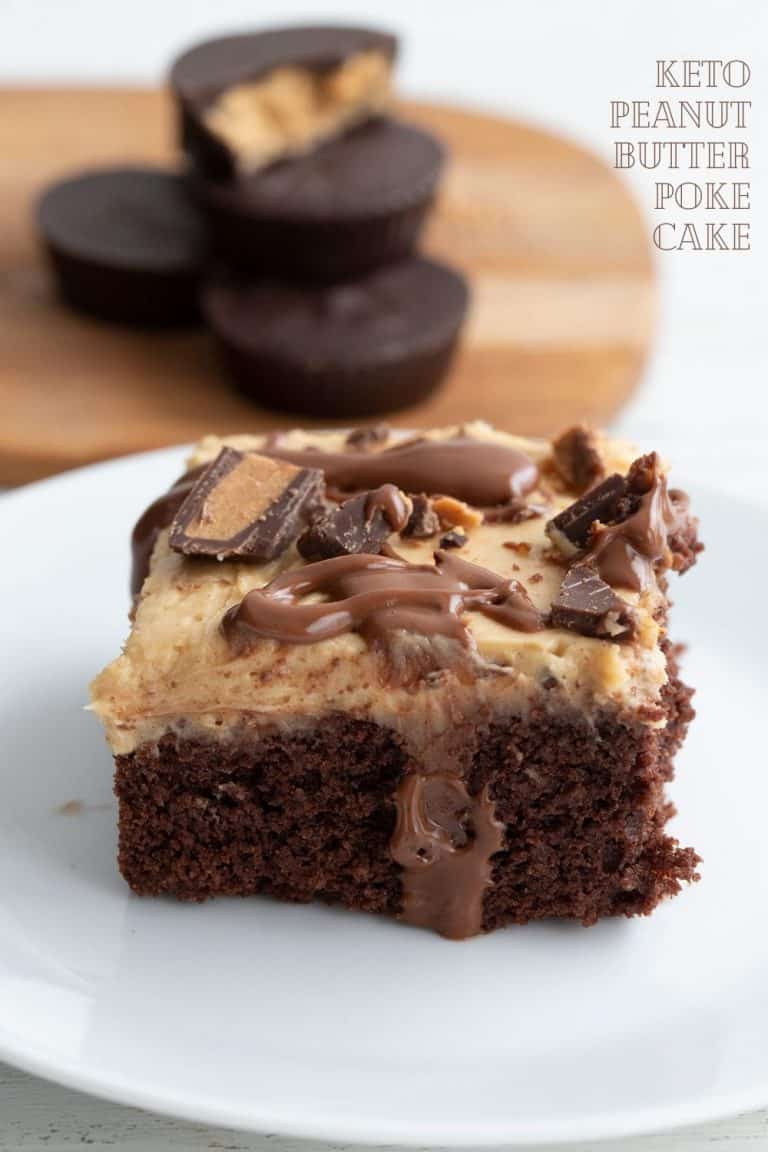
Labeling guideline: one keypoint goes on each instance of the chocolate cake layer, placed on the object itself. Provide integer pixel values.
(126, 245)
(312, 815)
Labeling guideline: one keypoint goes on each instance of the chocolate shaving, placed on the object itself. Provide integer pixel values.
(245, 505)
(453, 539)
(361, 524)
(423, 521)
(587, 605)
(577, 459)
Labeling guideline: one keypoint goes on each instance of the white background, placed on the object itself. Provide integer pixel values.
(555, 62)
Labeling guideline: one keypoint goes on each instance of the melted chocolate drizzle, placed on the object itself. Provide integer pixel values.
(376, 596)
(388, 499)
(480, 472)
(626, 553)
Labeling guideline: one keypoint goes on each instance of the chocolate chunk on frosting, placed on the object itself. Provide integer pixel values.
(244, 505)
(570, 530)
(444, 841)
(453, 539)
(482, 473)
(423, 521)
(378, 596)
(587, 605)
(360, 524)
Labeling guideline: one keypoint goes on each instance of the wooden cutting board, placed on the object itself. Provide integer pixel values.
(555, 249)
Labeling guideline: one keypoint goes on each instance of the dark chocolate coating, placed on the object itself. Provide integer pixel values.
(351, 350)
(126, 244)
(351, 205)
(206, 70)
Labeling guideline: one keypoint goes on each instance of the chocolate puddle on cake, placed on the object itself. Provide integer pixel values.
(319, 701)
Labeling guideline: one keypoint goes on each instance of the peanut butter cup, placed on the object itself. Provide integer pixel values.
(247, 100)
(343, 351)
(352, 204)
(126, 245)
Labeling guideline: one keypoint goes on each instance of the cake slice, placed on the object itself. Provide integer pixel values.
(428, 677)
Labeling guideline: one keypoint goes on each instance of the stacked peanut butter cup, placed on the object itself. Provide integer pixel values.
(294, 231)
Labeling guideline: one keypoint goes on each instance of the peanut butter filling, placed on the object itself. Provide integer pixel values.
(293, 109)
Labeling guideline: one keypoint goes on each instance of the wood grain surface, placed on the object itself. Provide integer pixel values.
(557, 254)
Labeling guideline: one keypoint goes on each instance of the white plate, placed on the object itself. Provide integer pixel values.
(310, 1022)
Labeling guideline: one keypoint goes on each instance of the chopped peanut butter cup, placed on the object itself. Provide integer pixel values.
(244, 505)
(360, 524)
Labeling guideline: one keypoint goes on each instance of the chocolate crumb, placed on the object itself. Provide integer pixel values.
(643, 473)
(522, 547)
(453, 539)
(651, 713)
(453, 513)
(535, 578)
(70, 808)
(577, 459)
(423, 521)
(362, 439)
(514, 512)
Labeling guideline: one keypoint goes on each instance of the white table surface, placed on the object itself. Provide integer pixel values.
(703, 400)
(46, 1118)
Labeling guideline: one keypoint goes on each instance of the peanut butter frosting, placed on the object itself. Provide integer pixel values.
(180, 668)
